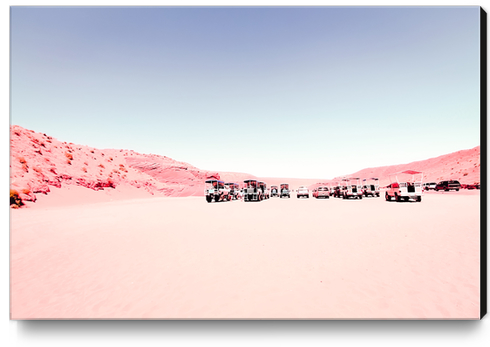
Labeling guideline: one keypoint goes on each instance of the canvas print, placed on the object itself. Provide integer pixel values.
(245, 162)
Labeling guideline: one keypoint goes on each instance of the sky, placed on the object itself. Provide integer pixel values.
(314, 92)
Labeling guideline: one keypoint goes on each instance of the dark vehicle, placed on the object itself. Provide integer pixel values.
(284, 192)
(252, 192)
(448, 185)
(274, 191)
(216, 190)
(335, 190)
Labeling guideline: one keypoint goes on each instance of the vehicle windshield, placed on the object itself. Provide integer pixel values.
(251, 184)
(214, 185)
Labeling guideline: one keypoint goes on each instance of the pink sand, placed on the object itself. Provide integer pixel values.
(165, 257)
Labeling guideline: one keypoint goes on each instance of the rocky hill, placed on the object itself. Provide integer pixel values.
(38, 162)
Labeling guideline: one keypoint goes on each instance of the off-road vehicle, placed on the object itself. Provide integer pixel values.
(351, 188)
(252, 192)
(405, 185)
(234, 191)
(265, 191)
(215, 190)
(370, 187)
(274, 191)
(284, 190)
(303, 192)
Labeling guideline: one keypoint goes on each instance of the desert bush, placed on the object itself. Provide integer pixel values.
(15, 200)
(37, 169)
(102, 166)
(84, 169)
(69, 155)
(22, 160)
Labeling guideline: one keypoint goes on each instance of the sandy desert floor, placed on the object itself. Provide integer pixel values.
(178, 258)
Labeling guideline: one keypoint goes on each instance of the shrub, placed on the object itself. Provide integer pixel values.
(84, 169)
(102, 166)
(69, 156)
(22, 160)
(25, 191)
(15, 200)
(37, 169)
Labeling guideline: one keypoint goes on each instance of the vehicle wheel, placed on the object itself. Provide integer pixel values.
(457, 190)
(209, 198)
(250, 197)
(216, 198)
(406, 199)
(377, 195)
(360, 197)
(419, 198)
(387, 197)
(397, 198)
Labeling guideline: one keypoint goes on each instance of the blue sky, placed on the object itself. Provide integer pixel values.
(286, 92)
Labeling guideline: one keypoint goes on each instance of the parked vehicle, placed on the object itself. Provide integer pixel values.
(265, 191)
(321, 192)
(335, 190)
(274, 191)
(405, 185)
(303, 192)
(284, 192)
(429, 186)
(351, 188)
(215, 190)
(370, 187)
(252, 192)
(448, 185)
(234, 191)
